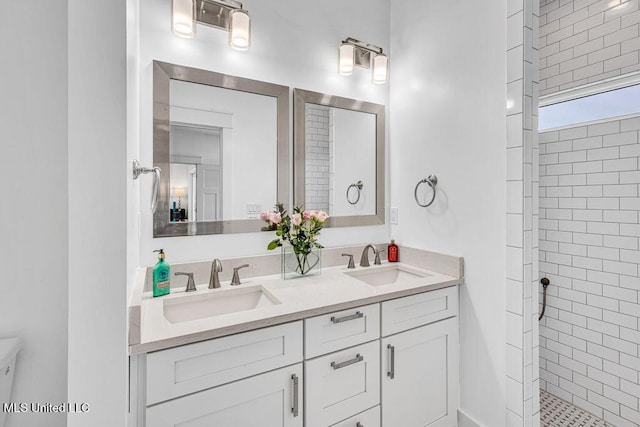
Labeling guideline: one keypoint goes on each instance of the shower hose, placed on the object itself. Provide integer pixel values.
(545, 282)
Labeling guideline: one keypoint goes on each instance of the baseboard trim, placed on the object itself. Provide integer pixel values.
(466, 421)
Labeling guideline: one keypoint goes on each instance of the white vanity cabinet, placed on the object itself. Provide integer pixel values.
(387, 364)
(272, 399)
(251, 379)
(419, 367)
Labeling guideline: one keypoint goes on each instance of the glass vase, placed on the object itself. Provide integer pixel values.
(296, 265)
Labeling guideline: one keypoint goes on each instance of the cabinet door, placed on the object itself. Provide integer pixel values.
(342, 384)
(420, 376)
(273, 399)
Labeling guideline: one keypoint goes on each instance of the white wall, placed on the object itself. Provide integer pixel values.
(98, 173)
(33, 164)
(294, 44)
(448, 118)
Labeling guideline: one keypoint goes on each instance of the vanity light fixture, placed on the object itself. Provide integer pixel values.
(227, 15)
(352, 52)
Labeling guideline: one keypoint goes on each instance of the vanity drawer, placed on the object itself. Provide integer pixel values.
(416, 310)
(182, 370)
(341, 384)
(369, 418)
(342, 329)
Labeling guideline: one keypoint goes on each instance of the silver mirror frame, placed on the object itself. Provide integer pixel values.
(162, 74)
(302, 97)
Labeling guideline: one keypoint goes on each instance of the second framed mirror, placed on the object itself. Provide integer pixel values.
(339, 158)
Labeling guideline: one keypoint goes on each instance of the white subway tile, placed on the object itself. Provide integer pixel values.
(580, 179)
(605, 303)
(604, 402)
(587, 215)
(623, 138)
(604, 128)
(619, 293)
(586, 382)
(629, 124)
(621, 319)
(630, 177)
(625, 268)
(604, 253)
(621, 62)
(622, 346)
(603, 153)
(603, 277)
(621, 190)
(587, 167)
(604, 203)
(630, 217)
(588, 191)
(623, 242)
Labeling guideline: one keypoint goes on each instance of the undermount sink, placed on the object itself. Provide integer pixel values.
(216, 303)
(387, 275)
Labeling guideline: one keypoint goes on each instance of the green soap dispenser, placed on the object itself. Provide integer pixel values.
(161, 276)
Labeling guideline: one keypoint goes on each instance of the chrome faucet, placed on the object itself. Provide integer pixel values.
(364, 259)
(214, 279)
(235, 280)
(378, 252)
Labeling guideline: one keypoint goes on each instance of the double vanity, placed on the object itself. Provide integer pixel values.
(363, 347)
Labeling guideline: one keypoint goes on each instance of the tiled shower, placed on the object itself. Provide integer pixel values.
(589, 225)
(589, 249)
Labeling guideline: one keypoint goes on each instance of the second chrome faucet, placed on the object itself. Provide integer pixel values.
(216, 268)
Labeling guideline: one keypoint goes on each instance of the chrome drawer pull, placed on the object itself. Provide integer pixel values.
(294, 409)
(358, 315)
(392, 362)
(356, 359)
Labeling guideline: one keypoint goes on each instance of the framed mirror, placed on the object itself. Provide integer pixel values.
(339, 158)
(222, 144)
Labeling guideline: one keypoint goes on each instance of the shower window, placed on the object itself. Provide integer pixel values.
(601, 106)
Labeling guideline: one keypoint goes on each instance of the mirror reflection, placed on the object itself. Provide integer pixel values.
(339, 158)
(221, 143)
(223, 153)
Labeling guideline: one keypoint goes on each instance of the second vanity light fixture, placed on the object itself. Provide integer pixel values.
(352, 52)
(224, 14)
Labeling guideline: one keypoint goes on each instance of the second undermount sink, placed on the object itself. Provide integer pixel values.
(387, 275)
(216, 303)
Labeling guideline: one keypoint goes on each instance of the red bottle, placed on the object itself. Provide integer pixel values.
(392, 252)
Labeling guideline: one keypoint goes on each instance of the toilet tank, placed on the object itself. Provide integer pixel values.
(9, 348)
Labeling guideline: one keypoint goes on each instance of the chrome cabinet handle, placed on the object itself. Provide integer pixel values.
(358, 315)
(294, 408)
(356, 359)
(392, 361)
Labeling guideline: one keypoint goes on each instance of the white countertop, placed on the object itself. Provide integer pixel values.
(299, 298)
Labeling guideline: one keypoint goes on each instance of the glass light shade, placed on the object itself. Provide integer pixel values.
(240, 30)
(346, 59)
(380, 68)
(183, 22)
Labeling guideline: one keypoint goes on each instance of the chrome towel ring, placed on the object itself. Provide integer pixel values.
(139, 170)
(358, 186)
(432, 181)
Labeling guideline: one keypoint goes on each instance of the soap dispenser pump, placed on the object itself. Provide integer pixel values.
(161, 275)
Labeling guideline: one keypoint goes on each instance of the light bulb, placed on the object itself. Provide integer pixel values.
(380, 68)
(346, 59)
(183, 22)
(240, 30)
